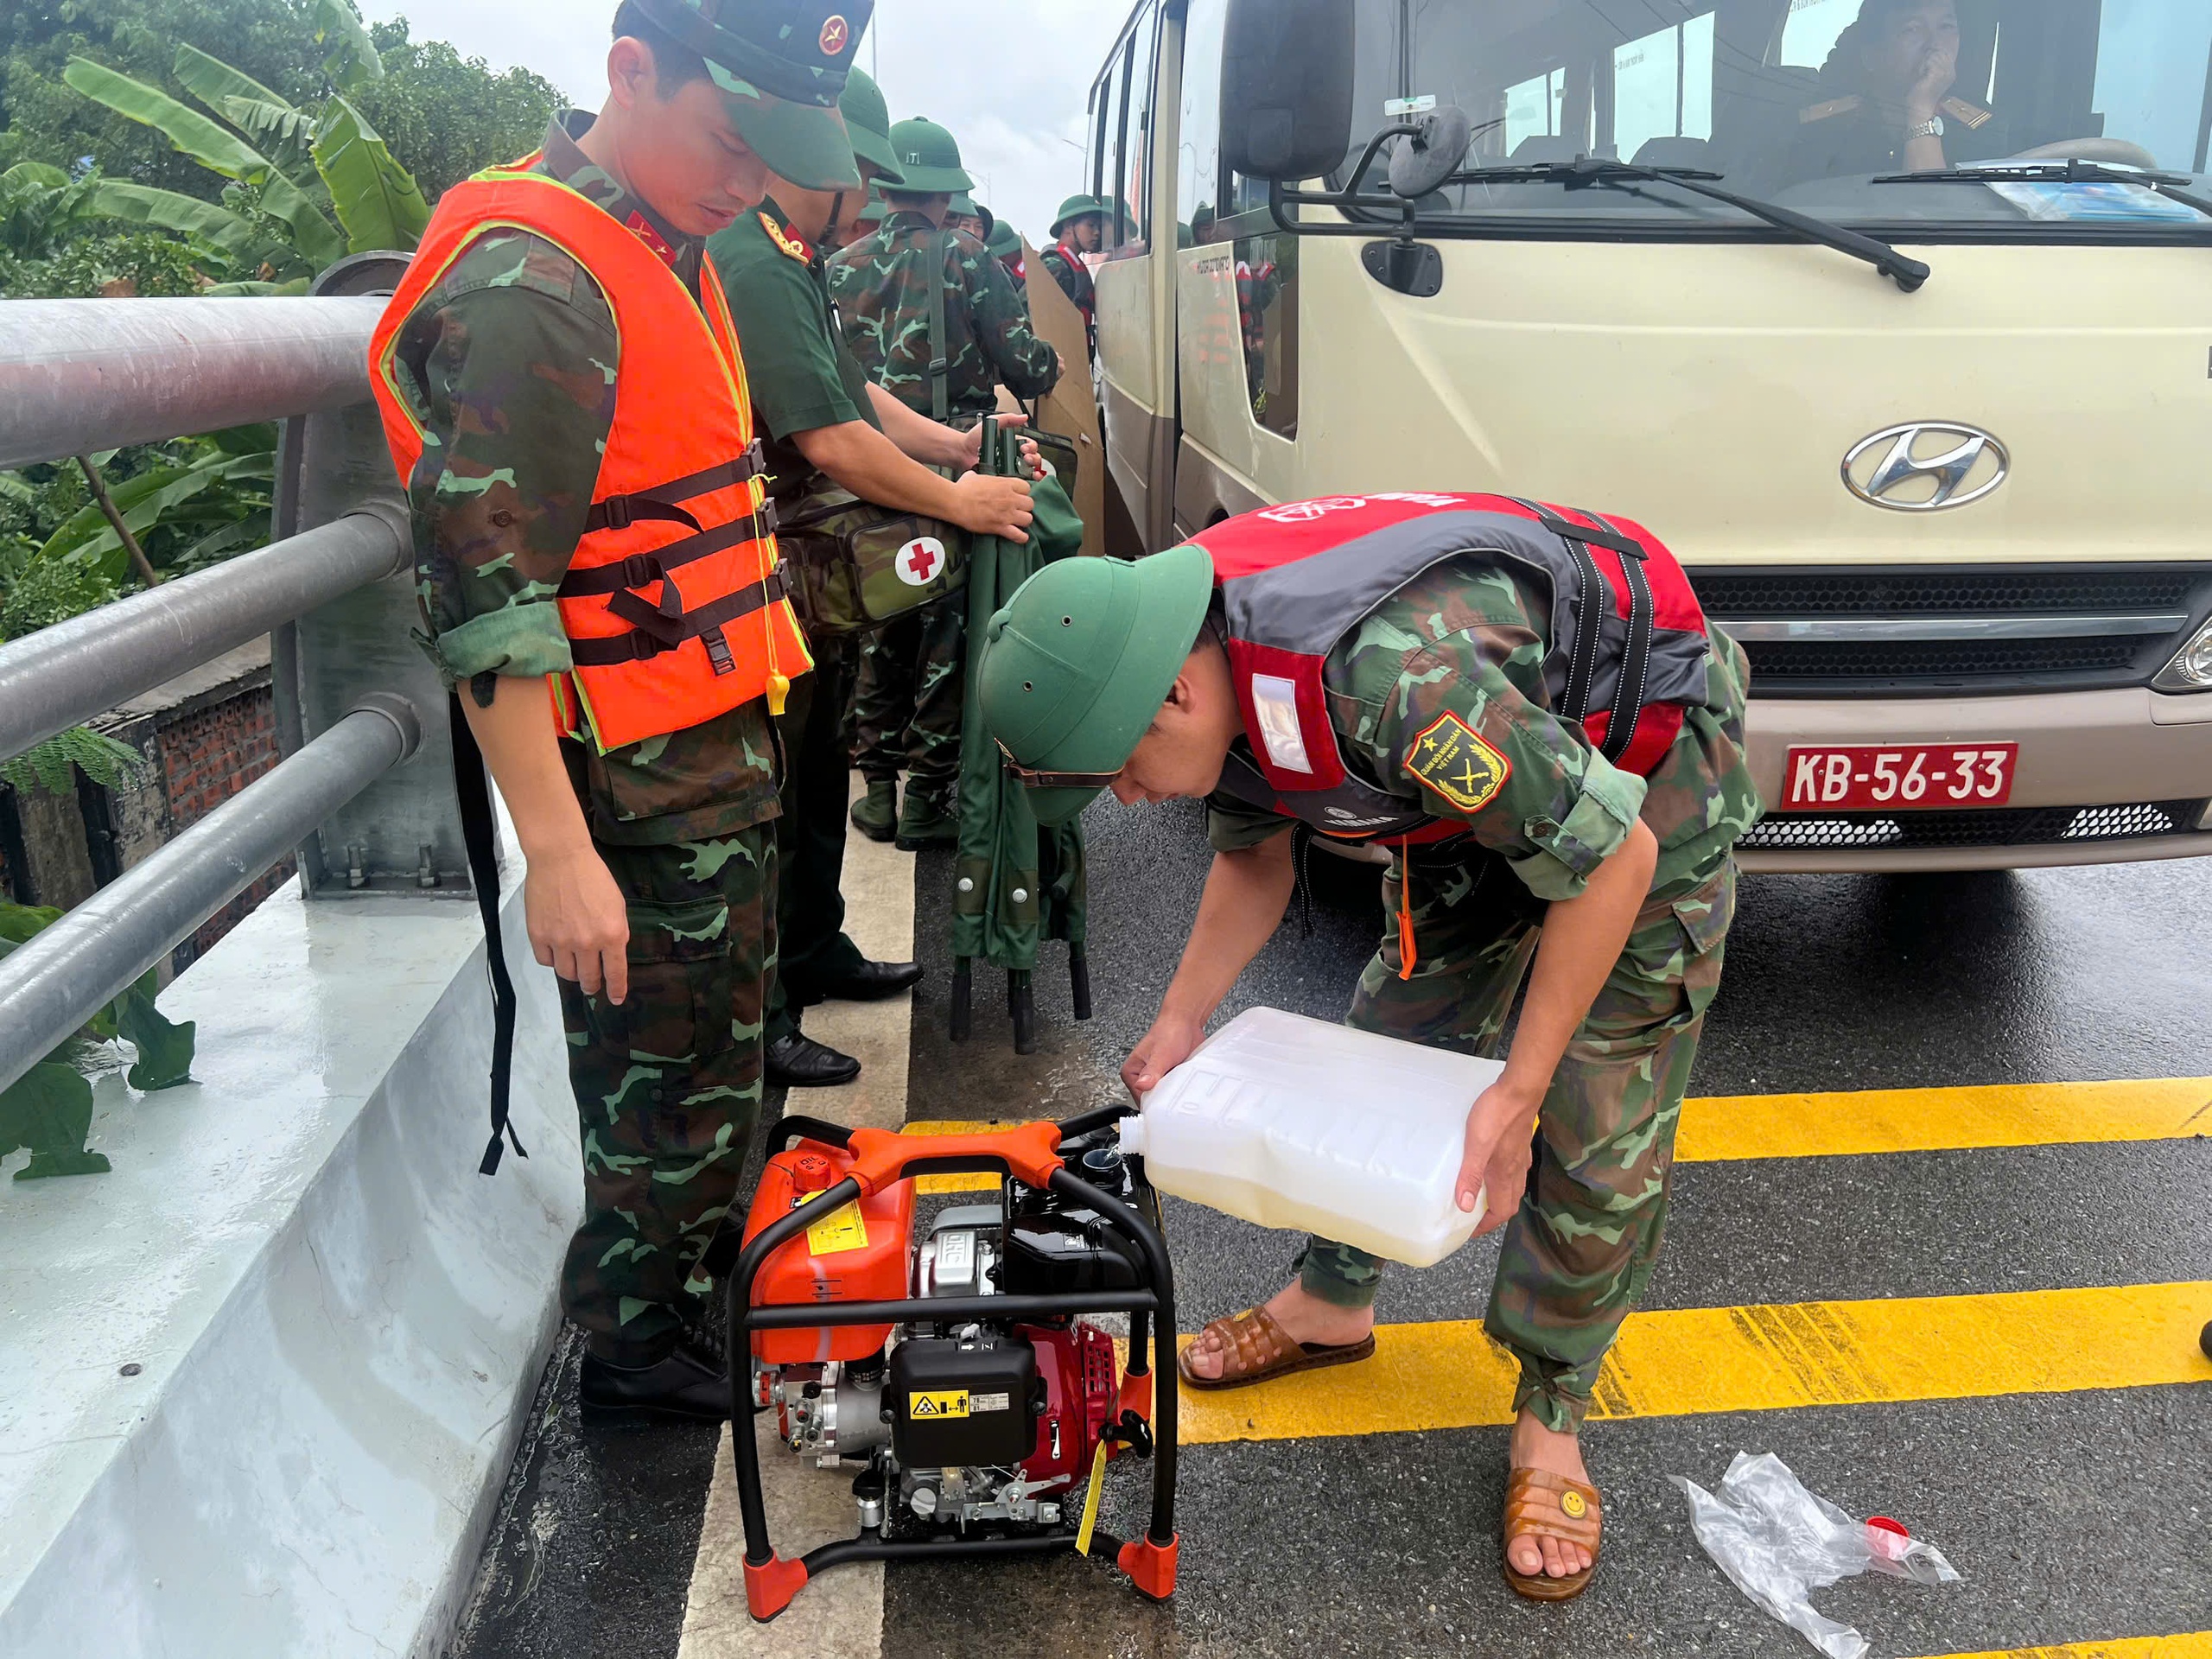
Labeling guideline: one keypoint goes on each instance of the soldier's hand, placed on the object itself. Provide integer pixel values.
(971, 440)
(1500, 1133)
(1166, 1045)
(985, 506)
(579, 926)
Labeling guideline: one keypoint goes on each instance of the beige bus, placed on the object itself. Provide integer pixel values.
(1925, 404)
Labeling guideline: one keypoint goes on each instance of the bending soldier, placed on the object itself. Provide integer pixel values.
(1416, 669)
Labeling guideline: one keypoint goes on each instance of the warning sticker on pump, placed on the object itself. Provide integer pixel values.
(843, 1229)
(938, 1403)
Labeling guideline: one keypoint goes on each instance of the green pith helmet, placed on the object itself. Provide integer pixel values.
(963, 205)
(929, 159)
(1004, 241)
(780, 65)
(1078, 661)
(867, 124)
(1074, 207)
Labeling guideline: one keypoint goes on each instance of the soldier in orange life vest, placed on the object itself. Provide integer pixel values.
(564, 397)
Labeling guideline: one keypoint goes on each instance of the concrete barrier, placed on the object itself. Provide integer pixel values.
(260, 1385)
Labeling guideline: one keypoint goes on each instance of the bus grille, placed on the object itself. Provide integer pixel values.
(1930, 632)
(2020, 826)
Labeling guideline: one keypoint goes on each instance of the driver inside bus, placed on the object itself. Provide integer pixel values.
(1887, 101)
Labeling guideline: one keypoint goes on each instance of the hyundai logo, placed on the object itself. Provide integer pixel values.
(1923, 465)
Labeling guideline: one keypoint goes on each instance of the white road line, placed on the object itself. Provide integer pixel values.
(840, 1616)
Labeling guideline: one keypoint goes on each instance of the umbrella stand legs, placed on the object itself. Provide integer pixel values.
(1021, 1004)
(1079, 981)
(963, 997)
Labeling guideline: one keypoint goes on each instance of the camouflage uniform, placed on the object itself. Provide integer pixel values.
(509, 363)
(906, 708)
(1466, 639)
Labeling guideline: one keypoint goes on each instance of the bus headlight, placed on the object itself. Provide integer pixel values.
(2191, 668)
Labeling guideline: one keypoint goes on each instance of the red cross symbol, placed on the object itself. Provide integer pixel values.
(833, 37)
(921, 559)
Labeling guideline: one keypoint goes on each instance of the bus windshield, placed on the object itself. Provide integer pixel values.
(1818, 104)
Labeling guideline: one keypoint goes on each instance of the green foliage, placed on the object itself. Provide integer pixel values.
(446, 116)
(49, 766)
(376, 199)
(49, 1108)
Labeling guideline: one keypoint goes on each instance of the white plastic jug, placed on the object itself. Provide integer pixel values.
(1300, 1124)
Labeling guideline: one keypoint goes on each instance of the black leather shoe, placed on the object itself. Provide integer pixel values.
(797, 1061)
(869, 982)
(689, 1383)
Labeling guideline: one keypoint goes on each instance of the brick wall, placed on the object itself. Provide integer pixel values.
(206, 754)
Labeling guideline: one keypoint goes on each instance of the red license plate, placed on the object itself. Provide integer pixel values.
(1903, 777)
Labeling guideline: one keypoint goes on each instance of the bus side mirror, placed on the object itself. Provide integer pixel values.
(1286, 87)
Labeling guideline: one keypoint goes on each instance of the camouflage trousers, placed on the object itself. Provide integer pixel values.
(907, 705)
(668, 1085)
(1581, 1246)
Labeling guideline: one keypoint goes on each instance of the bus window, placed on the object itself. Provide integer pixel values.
(1662, 87)
(1199, 200)
(1266, 312)
(1105, 122)
(1128, 198)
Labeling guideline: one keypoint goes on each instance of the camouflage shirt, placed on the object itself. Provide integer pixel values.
(882, 286)
(1066, 268)
(1463, 638)
(509, 364)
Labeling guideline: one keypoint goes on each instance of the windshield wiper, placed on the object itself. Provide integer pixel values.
(1589, 171)
(2070, 171)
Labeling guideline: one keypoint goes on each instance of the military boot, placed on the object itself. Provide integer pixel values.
(927, 819)
(875, 815)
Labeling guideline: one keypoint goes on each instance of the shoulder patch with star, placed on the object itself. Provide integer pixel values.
(1452, 758)
(790, 246)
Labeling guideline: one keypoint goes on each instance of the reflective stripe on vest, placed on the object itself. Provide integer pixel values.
(673, 604)
(1296, 580)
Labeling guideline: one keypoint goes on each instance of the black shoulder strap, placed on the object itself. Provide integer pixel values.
(1635, 661)
(1591, 595)
(480, 835)
(940, 371)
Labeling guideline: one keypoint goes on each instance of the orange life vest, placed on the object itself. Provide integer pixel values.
(673, 604)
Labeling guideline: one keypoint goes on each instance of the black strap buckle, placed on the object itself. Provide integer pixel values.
(641, 570)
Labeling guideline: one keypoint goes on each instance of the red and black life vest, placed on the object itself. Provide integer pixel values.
(1627, 644)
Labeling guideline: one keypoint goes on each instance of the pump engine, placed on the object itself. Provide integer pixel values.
(971, 1422)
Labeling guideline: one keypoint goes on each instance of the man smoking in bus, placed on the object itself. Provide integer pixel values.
(1888, 102)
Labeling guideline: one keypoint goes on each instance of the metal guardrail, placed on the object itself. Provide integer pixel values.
(50, 986)
(78, 375)
(81, 375)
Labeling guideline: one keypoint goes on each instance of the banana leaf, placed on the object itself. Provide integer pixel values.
(349, 55)
(376, 199)
(168, 210)
(207, 141)
(141, 501)
(212, 82)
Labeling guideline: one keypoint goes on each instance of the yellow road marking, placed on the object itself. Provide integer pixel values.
(1722, 1129)
(1448, 1375)
(2196, 1644)
(1932, 1120)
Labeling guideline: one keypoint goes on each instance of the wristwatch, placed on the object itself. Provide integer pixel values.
(1931, 128)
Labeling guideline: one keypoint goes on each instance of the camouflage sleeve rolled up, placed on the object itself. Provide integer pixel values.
(508, 363)
(1027, 366)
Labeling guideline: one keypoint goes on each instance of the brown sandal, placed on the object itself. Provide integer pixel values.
(1255, 1347)
(1541, 1505)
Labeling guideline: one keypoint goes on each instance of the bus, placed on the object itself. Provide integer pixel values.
(1925, 405)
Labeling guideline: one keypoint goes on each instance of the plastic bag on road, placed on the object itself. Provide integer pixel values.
(1778, 1543)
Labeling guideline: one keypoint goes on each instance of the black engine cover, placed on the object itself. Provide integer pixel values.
(956, 1403)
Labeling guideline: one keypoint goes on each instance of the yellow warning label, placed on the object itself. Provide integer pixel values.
(937, 1402)
(843, 1229)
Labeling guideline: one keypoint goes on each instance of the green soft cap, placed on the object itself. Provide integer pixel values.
(1074, 207)
(867, 124)
(780, 65)
(1077, 663)
(928, 158)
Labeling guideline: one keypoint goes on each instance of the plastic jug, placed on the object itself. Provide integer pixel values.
(1300, 1124)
